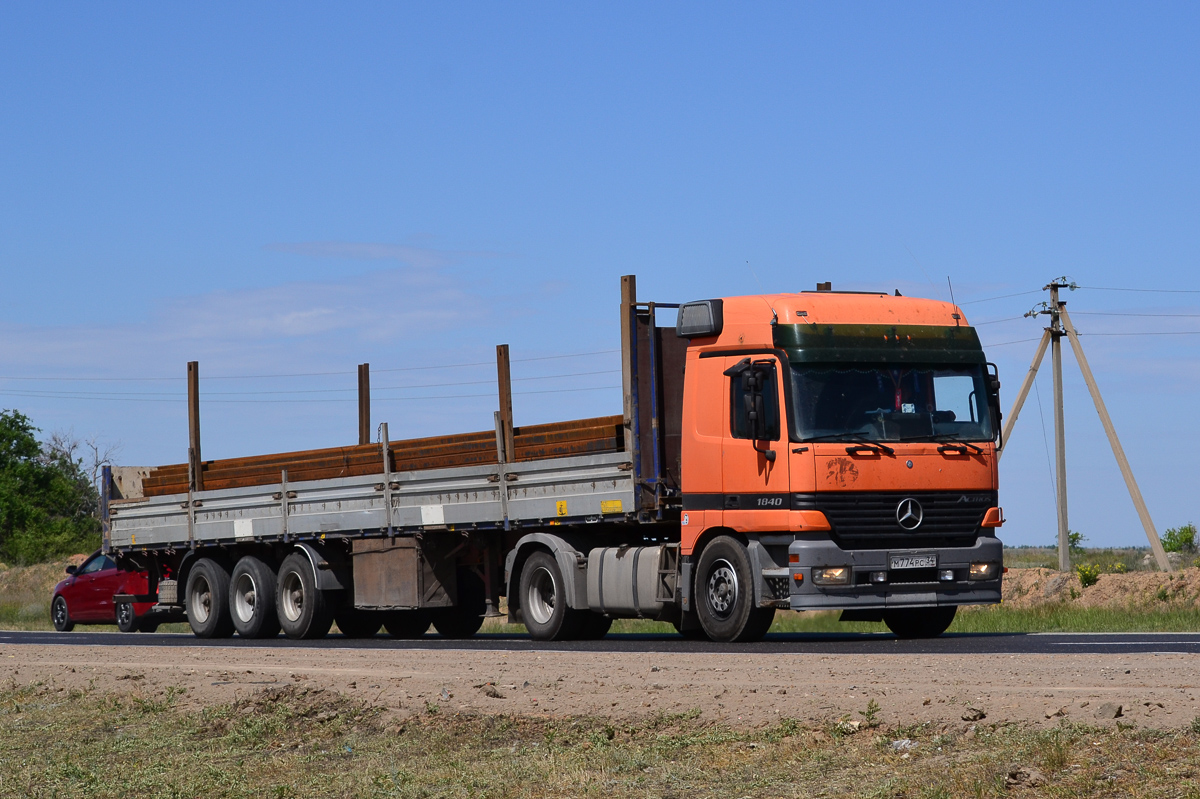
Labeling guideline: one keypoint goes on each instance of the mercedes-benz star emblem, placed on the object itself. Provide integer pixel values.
(909, 514)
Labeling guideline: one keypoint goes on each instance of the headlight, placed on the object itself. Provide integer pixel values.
(837, 575)
(984, 571)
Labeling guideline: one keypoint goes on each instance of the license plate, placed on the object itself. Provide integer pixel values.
(914, 561)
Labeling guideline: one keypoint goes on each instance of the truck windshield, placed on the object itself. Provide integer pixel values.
(900, 402)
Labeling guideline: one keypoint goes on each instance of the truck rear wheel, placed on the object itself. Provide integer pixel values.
(725, 594)
(252, 599)
(208, 600)
(406, 624)
(544, 606)
(920, 622)
(464, 619)
(594, 627)
(302, 608)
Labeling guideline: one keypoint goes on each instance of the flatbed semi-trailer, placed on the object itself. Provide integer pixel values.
(819, 450)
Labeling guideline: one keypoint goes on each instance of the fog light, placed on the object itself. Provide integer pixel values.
(798, 577)
(946, 575)
(879, 577)
(983, 571)
(838, 575)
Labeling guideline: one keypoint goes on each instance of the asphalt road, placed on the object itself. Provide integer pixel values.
(776, 644)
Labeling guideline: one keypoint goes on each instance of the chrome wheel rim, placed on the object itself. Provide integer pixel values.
(292, 588)
(200, 602)
(539, 598)
(60, 612)
(245, 593)
(722, 590)
(124, 614)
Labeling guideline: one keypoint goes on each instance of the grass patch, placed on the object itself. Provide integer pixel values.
(291, 742)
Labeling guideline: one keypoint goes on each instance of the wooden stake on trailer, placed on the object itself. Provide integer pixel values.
(504, 383)
(193, 396)
(364, 403)
(628, 309)
(1135, 494)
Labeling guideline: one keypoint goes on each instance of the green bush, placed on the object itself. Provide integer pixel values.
(1180, 539)
(1088, 574)
(1075, 540)
(48, 506)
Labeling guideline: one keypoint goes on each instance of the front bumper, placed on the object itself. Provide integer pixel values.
(903, 588)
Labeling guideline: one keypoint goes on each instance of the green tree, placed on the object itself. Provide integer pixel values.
(1180, 539)
(48, 506)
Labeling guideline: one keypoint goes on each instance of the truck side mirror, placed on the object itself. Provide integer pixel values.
(993, 392)
(754, 405)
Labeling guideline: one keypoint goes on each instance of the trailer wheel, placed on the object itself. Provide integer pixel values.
(919, 622)
(406, 624)
(146, 625)
(60, 616)
(544, 601)
(302, 608)
(126, 619)
(208, 600)
(358, 623)
(252, 599)
(725, 594)
(464, 619)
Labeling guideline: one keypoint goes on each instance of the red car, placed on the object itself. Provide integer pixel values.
(86, 597)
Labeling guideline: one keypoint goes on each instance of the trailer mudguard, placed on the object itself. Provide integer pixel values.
(331, 573)
(571, 562)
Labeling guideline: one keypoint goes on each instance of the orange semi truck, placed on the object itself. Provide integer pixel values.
(821, 450)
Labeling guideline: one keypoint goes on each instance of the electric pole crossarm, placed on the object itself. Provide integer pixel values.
(1024, 392)
(1135, 494)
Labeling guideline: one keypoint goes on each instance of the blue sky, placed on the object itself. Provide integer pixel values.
(297, 188)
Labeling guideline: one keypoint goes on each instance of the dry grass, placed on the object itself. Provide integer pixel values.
(295, 742)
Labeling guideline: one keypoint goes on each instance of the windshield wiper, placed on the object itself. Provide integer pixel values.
(950, 443)
(867, 443)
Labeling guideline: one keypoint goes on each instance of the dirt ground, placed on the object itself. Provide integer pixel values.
(955, 692)
(1145, 589)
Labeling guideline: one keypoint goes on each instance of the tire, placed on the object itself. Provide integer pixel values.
(146, 625)
(543, 598)
(126, 619)
(252, 599)
(207, 600)
(464, 619)
(60, 616)
(594, 627)
(920, 622)
(304, 611)
(406, 624)
(358, 623)
(725, 594)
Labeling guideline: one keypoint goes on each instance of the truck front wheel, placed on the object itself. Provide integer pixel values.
(725, 594)
(252, 599)
(544, 606)
(208, 600)
(302, 607)
(920, 622)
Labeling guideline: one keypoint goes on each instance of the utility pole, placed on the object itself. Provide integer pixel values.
(1060, 325)
(1060, 431)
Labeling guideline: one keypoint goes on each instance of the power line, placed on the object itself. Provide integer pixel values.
(1002, 297)
(180, 400)
(1145, 291)
(1006, 343)
(997, 321)
(300, 374)
(1123, 313)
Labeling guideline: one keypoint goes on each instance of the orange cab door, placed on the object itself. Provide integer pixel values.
(754, 456)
